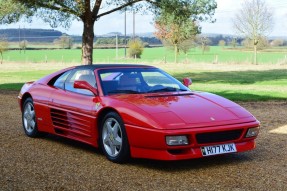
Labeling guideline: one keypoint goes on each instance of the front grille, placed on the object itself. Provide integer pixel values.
(215, 137)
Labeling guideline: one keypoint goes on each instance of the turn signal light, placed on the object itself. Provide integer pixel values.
(176, 140)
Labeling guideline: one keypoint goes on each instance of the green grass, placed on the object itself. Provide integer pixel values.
(233, 77)
(244, 82)
(247, 85)
(149, 55)
(14, 80)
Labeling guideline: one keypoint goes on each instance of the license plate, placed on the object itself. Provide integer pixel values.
(218, 149)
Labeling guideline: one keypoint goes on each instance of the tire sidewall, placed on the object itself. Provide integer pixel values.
(124, 153)
(35, 131)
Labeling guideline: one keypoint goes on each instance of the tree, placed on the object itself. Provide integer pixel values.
(177, 25)
(186, 45)
(64, 41)
(23, 45)
(3, 46)
(204, 42)
(262, 43)
(11, 10)
(222, 43)
(254, 20)
(136, 48)
(246, 43)
(277, 42)
(62, 12)
(175, 34)
(233, 42)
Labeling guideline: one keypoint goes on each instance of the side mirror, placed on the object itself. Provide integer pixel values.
(187, 82)
(86, 86)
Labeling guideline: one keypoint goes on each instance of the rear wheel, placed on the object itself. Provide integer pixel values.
(29, 119)
(113, 138)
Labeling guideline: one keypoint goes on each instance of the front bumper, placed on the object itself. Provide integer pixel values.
(151, 143)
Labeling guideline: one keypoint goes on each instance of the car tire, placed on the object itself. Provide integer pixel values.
(113, 138)
(29, 119)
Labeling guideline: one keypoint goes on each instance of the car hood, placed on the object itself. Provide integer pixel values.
(197, 109)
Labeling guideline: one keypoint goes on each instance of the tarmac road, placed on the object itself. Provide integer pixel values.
(53, 163)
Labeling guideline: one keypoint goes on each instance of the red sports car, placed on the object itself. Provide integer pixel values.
(135, 111)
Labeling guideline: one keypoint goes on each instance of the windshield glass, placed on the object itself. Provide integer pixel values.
(138, 80)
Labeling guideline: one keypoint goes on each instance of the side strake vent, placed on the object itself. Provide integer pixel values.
(67, 123)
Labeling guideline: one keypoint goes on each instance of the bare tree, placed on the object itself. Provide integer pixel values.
(254, 20)
(262, 43)
(3, 46)
(233, 42)
(23, 45)
(277, 42)
(64, 41)
(204, 43)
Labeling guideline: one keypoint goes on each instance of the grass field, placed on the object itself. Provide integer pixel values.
(159, 55)
(241, 82)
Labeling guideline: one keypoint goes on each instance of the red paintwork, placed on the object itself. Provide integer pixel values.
(148, 118)
(86, 86)
(187, 81)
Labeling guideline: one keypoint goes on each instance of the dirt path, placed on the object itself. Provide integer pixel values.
(53, 163)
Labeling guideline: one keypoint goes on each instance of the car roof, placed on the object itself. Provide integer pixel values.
(101, 66)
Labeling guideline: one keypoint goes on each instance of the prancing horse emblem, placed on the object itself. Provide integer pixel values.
(212, 119)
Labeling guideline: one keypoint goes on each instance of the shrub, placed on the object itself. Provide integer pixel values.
(222, 43)
(136, 48)
(277, 42)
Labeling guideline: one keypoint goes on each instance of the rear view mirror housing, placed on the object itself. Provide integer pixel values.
(80, 84)
(187, 82)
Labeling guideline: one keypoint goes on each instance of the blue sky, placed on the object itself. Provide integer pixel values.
(224, 14)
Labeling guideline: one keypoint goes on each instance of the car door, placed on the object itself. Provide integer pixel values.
(72, 110)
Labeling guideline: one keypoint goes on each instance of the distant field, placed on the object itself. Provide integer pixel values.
(238, 82)
(150, 55)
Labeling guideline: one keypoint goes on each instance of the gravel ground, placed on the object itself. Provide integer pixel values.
(53, 163)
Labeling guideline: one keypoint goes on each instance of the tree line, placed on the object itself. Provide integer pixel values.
(31, 35)
(63, 12)
(177, 22)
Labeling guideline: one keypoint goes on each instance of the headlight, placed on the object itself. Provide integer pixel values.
(252, 132)
(176, 140)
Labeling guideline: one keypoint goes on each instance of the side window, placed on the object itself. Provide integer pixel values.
(60, 82)
(84, 75)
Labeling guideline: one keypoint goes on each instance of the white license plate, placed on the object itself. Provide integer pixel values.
(218, 149)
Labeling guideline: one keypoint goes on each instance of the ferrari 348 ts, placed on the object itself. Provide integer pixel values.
(135, 111)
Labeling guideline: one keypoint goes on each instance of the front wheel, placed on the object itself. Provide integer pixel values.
(113, 138)
(29, 119)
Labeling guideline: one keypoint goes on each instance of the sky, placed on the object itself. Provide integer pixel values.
(114, 22)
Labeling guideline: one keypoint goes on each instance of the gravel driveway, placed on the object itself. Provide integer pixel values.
(53, 163)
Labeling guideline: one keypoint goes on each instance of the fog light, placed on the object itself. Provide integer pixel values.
(252, 132)
(176, 140)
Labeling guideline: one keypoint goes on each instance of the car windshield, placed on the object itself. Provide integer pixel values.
(138, 81)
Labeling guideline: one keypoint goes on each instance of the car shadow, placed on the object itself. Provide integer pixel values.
(167, 166)
(71, 143)
(267, 150)
(193, 164)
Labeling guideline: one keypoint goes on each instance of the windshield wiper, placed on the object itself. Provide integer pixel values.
(166, 89)
(123, 92)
